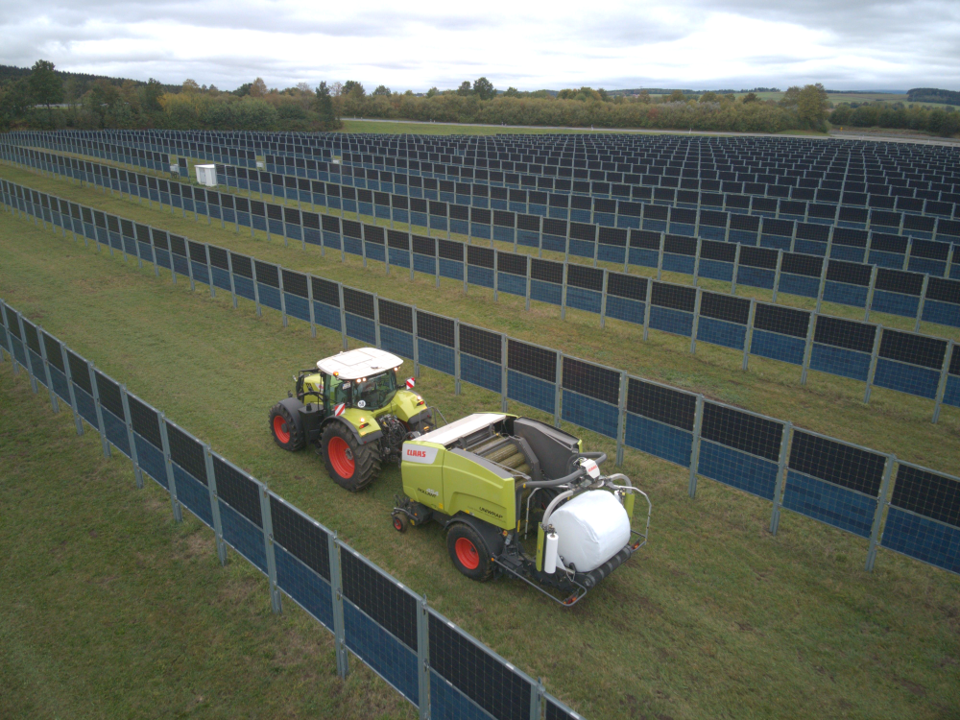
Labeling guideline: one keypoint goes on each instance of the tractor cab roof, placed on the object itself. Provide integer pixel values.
(359, 363)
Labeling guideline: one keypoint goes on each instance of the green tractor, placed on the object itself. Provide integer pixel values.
(491, 478)
(351, 409)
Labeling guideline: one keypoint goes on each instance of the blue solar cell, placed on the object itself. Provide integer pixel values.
(672, 321)
(512, 284)
(582, 299)
(625, 309)
(304, 586)
(895, 303)
(590, 413)
(480, 276)
(777, 347)
(799, 285)
(531, 391)
(658, 439)
(396, 341)
(297, 306)
(243, 287)
(923, 539)
(906, 378)
(829, 503)
(194, 495)
(952, 394)
(738, 469)
(546, 292)
(438, 357)
(221, 279)
(644, 258)
(678, 263)
(86, 406)
(720, 332)
(116, 431)
(810, 247)
(451, 269)
(151, 460)
(756, 277)
(386, 655)
(361, 328)
(243, 536)
(840, 361)
(942, 313)
(716, 270)
(327, 316)
(480, 372)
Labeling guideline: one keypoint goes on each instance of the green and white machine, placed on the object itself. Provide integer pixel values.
(351, 409)
(485, 475)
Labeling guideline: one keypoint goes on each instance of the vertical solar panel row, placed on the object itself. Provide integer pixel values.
(905, 362)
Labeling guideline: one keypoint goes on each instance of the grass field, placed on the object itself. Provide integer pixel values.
(716, 618)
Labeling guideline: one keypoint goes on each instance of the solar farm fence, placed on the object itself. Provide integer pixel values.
(429, 660)
(906, 362)
(843, 485)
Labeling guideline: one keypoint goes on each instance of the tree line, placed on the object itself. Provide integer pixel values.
(47, 99)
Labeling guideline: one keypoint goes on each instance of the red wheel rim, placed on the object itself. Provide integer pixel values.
(341, 457)
(280, 429)
(397, 523)
(467, 553)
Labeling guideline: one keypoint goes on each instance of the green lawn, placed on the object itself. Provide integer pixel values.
(715, 617)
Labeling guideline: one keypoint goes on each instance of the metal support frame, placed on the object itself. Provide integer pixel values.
(808, 348)
(923, 300)
(622, 416)
(313, 320)
(206, 249)
(423, 658)
(131, 438)
(646, 309)
(104, 442)
(781, 477)
(875, 535)
(283, 299)
(776, 277)
(77, 420)
(336, 591)
(695, 447)
(256, 286)
(214, 505)
(168, 464)
(26, 354)
(558, 396)
(736, 269)
(456, 357)
(603, 299)
(942, 385)
(266, 519)
(874, 356)
(529, 281)
(696, 321)
(503, 373)
(868, 306)
(748, 339)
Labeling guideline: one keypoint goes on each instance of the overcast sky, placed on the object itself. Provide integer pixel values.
(845, 44)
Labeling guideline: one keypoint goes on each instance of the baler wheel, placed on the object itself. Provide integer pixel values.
(469, 552)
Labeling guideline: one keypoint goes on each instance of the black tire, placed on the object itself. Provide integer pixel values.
(286, 433)
(400, 522)
(469, 552)
(351, 465)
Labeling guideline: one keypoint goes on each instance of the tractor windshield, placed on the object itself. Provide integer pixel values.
(375, 392)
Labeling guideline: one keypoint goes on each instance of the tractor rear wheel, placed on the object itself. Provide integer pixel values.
(285, 431)
(469, 552)
(351, 465)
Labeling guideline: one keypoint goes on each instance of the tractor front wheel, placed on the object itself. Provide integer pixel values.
(285, 431)
(351, 465)
(469, 552)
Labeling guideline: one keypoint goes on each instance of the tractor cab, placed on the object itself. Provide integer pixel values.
(365, 378)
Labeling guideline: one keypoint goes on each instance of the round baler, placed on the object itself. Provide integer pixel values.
(483, 476)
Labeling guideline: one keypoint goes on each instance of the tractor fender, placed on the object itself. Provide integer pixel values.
(361, 439)
(490, 533)
(293, 407)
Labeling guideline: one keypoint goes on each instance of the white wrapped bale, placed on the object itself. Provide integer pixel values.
(593, 527)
